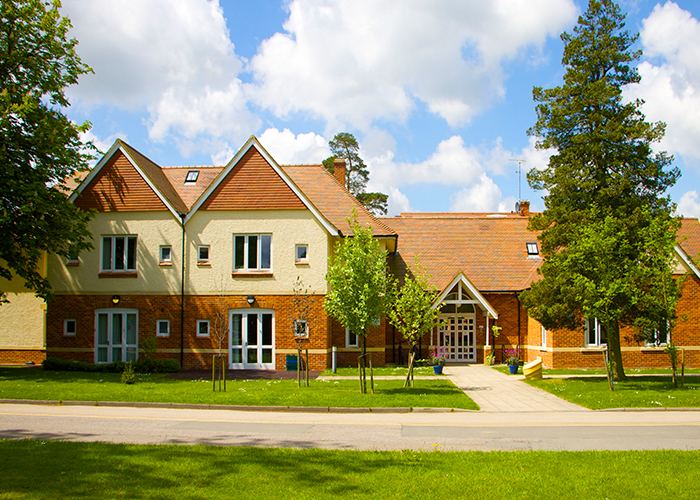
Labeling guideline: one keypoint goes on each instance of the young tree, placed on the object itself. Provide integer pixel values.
(359, 284)
(40, 148)
(345, 146)
(607, 234)
(412, 312)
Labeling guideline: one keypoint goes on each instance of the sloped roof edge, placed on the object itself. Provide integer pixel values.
(472, 289)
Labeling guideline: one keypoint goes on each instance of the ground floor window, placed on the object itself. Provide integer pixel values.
(252, 339)
(595, 332)
(116, 335)
(657, 336)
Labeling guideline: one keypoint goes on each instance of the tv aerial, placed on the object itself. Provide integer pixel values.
(520, 169)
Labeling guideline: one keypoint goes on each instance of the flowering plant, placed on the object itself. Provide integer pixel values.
(511, 356)
(438, 357)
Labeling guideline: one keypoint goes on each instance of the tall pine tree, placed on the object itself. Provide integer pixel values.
(607, 231)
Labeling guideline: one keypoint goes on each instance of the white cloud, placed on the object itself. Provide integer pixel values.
(398, 202)
(173, 57)
(103, 144)
(483, 196)
(689, 205)
(287, 148)
(670, 86)
(351, 63)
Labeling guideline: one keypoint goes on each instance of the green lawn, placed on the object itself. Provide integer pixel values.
(637, 392)
(35, 383)
(583, 371)
(49, 470)
(397, 371)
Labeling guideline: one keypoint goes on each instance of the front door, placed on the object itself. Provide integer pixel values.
(252, 334)
(456, 335)
(116, 335)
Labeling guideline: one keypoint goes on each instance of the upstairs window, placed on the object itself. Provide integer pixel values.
(252, 252)
(119, 253)
(532, 250)
(166, 254)
(203, 254)
(192, 176)
(301, 254)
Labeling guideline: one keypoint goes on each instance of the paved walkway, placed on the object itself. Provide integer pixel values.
(494, 391)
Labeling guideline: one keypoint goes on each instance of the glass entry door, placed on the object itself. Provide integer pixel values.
(252, 334)
(116, 335)
(456, 335)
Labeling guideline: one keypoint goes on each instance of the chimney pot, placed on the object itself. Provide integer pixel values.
(339, 170)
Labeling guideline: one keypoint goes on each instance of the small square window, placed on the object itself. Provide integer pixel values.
(203, 253)
(192, 176)
(301, 329)
(351, 339)
(532, 249)
(166, 254)
(73, 260)
(163, 328)
(202, 328)
(69, 327)
(301, 253)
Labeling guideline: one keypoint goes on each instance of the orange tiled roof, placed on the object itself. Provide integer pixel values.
(191, 191)
(689, 238)
(332, 200)
(490, 251)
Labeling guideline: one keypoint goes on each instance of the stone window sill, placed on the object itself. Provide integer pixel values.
(127, 274)
(252, 274)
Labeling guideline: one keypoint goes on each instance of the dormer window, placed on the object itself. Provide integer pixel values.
(191, 176)
(532, 250)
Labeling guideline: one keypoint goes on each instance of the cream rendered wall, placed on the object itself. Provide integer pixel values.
(23, 319)
(153, 230)
(288, 228)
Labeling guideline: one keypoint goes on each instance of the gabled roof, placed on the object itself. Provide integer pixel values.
(151, 174)
(471, 290)
(191, 191)
(490, 251)
(688, 247)
(331, 199)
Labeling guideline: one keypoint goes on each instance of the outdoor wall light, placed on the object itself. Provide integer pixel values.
(250, 299)
(115, 299)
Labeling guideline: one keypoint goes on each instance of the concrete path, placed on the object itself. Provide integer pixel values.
(494, 391)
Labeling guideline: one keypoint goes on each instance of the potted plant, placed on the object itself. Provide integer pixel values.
(438, 358)
(512, 358)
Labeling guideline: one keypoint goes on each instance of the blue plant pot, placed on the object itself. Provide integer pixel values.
(437, 369)
(513, 369)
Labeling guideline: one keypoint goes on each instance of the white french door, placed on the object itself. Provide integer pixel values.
(252, 339)
(116, 335)
(456, 335)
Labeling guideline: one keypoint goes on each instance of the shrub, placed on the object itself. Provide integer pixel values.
(157, 365)
(128, 375)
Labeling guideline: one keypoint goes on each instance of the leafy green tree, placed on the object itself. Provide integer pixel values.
(359, 284)
(345, 146)
(607, 233)
(412, 311)
(40, 148)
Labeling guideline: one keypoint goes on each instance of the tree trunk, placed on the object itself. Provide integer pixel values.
(364, 362)
(612, 329)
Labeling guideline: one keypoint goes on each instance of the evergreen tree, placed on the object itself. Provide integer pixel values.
(40, 148)
(607, 231)
(345, 146)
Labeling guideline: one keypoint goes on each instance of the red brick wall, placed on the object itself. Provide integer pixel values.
(21, 356)
(152, 308)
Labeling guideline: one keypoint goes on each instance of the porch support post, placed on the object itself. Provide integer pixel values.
(487, 329)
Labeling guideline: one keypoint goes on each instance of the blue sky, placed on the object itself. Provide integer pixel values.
(439, 93)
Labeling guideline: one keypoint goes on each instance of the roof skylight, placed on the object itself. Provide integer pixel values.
(532, 249)
(192, 176)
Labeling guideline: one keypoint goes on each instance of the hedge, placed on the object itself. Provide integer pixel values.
(144, 365)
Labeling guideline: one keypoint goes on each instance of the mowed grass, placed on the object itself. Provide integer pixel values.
(51, 469)
(647, 391)
(395, 371)
(37, 384)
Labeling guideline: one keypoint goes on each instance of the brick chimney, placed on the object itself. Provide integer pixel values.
(525, 208)
(339, 170)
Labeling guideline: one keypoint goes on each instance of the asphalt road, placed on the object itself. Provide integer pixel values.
(590, 430)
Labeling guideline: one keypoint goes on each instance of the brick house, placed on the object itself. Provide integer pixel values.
(186, 255)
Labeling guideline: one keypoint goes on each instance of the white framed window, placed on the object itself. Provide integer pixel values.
(73, 260)
(119, 253)
(252, 252)
(166, 254)
(202, 328)
(595, 333)
(301, 253)
(163, 328)
(657, 336)
(69, 327)
(532, 250)
(301, 329)
(543, 336)
(351, 340)
(192, 176)
(203, 254)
